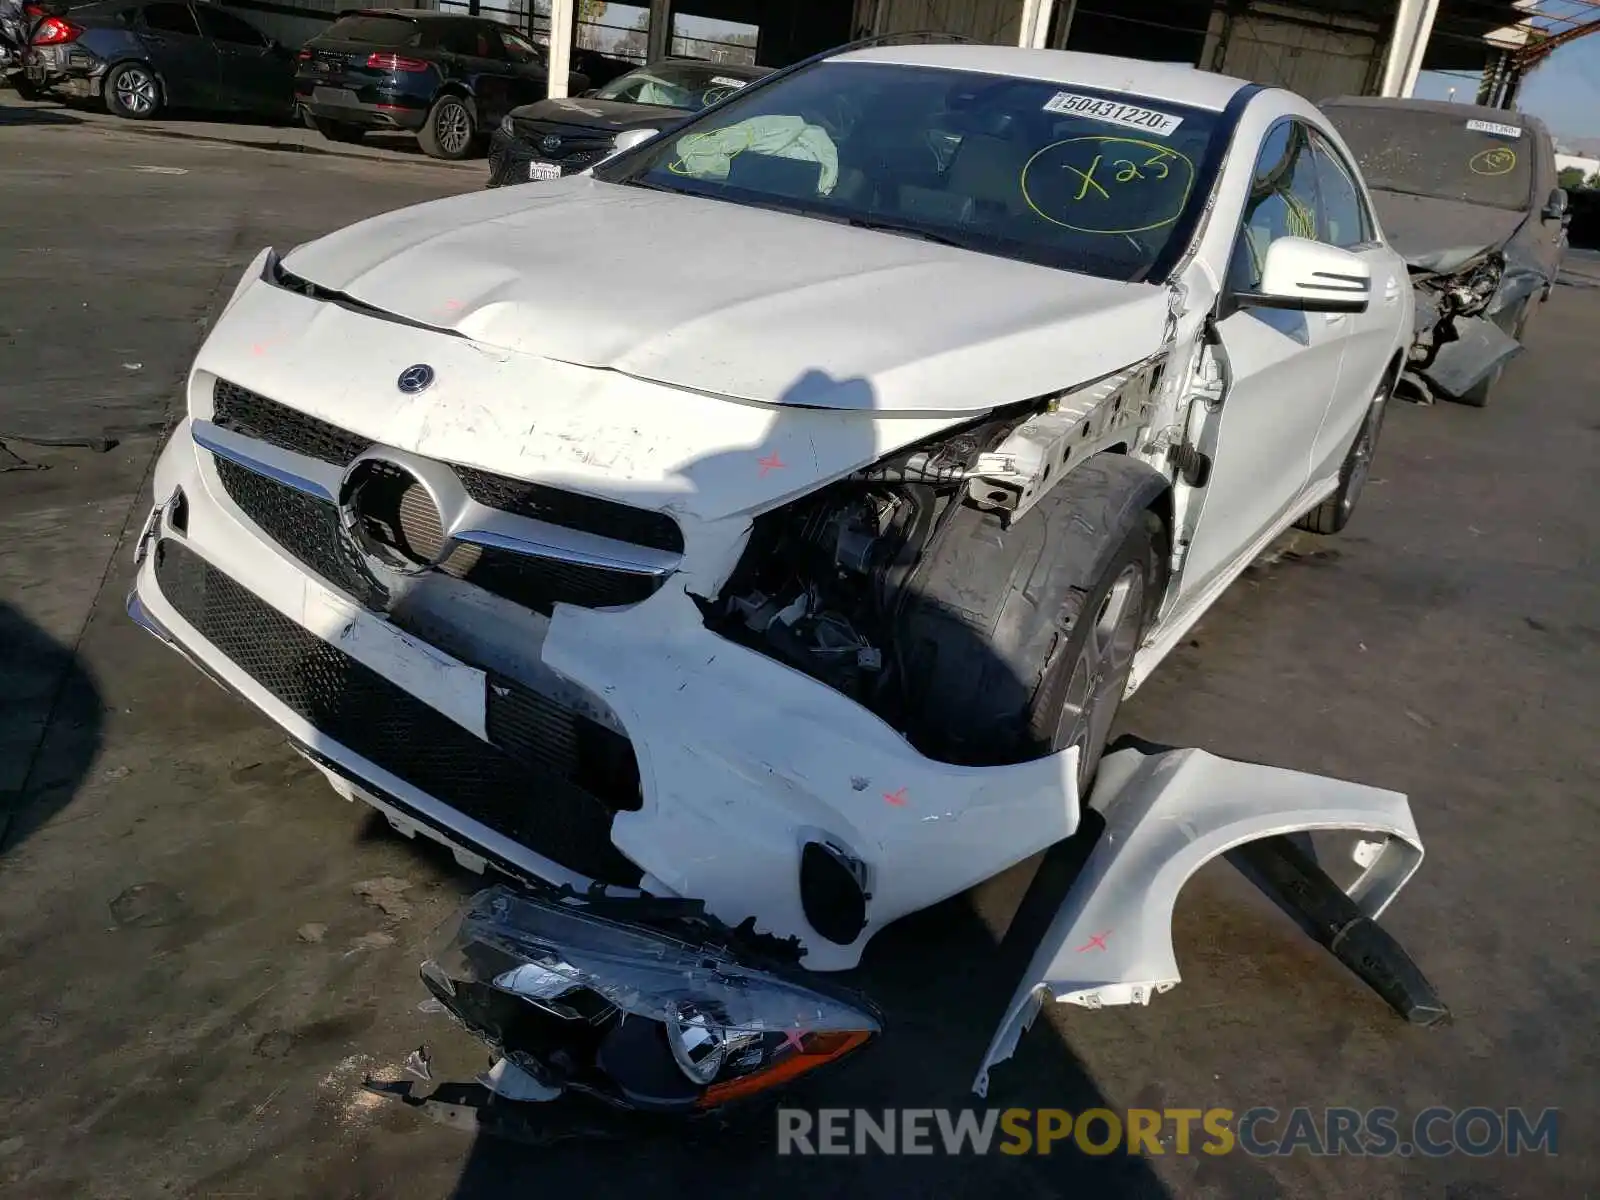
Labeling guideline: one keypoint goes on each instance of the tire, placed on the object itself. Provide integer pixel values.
(25, 89)
(451, 130)
(336, 131)
(1017, 643)
(131, 90)
(1333, 514)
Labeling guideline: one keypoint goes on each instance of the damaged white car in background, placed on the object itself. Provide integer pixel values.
(748, 542)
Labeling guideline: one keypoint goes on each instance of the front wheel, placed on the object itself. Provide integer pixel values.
(450, 130)
(131, 91)
(1333, 514)
(1018, 641)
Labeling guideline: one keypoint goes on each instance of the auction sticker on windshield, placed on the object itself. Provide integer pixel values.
(1510, 131)
(1096, 109)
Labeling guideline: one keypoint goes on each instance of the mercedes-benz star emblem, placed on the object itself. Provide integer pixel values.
(550, 143)
(415, 379)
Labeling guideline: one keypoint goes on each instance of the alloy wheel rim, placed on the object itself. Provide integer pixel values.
(1361, 464)
(1101, 673)
(454, 127)
(136, 90)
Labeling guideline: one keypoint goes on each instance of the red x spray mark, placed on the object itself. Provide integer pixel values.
(453, 306)
(771, 463)
(260, 348)
(791, 1037)
(898, 799)
(1096, 941)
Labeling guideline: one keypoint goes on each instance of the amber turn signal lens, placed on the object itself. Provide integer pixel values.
(817, 1049)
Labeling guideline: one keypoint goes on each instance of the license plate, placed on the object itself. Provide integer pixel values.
(330, 95)
(544, 170)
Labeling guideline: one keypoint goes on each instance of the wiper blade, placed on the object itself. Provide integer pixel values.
(915, 231)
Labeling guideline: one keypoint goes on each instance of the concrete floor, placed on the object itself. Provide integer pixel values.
(194, 983)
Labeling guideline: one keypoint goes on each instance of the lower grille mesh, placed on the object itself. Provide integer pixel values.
(358, 708)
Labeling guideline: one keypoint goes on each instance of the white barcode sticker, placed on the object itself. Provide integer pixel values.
(1510, 131)
(728, 81)
(1130, 116)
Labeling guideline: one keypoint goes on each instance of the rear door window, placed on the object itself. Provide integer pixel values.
(396, 32)
(170, 18)
(225, 27)
(471, 40)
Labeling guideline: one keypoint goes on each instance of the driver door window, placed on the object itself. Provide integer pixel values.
(1284, 201)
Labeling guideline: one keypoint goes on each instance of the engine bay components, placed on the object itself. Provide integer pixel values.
(823, 583)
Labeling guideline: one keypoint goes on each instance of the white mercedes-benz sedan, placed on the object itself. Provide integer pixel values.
(775, 515)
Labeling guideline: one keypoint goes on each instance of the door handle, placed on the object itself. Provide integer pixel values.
(1335, 318)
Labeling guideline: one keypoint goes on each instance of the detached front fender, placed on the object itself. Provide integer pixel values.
(1166, 816)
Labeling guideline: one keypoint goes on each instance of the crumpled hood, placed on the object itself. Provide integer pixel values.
(738, 302)
(1439, 235)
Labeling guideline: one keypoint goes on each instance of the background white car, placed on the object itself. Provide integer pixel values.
(777, 514)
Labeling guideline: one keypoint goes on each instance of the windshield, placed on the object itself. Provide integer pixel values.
(1044, 172)
(375, 31)
(1440, 155)
(691, 86)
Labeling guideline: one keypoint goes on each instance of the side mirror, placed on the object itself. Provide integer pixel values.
(1555, 208)
(1310, 277)
(629, 138)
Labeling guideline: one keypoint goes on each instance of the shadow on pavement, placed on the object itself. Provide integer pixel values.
(13, 115)
(50, 727)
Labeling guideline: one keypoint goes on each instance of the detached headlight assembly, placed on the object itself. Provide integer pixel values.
(668, 1016)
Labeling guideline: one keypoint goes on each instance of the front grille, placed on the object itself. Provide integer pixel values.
(577, 141)
(310, 530)
(306, 527)
(572, 510)
(253, 415)
(516, 787)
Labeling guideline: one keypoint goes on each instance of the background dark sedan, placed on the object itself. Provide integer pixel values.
(142, 58)
(558, 137)
(1469, 198)
(447, 77)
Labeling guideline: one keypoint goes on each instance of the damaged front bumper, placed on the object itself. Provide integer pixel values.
(652, 1005)
(759, 791)
(1468, 317)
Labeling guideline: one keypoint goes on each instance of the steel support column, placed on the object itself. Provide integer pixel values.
(562, 15)
(660, 43)
(1035, 30)
(1413, 26)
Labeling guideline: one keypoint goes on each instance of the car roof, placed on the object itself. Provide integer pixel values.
(1174, 82)
(1467, 112)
